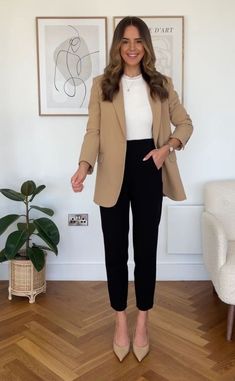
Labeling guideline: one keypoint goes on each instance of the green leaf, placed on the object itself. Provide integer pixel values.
(48, 232)
(28, 187)
(23, 226)
(7, 221)
(47, 211)
(49, 228)
(14, 243)
(47, 240)
(12, 195)
(37, 190)
(37, 257)
(3, 258)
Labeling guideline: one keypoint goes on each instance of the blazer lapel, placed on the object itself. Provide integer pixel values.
(156, 111)
(118, 103)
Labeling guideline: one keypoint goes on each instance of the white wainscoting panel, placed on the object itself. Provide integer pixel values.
(184, 229)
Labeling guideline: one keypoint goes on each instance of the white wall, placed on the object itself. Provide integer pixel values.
(46, 149)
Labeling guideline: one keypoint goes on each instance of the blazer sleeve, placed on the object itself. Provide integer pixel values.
(179, 117)
(90, 145)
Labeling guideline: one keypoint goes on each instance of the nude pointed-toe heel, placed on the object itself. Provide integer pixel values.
(140, 352)
(121, 351)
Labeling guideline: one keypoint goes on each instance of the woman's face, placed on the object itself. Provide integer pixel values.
(132, 49)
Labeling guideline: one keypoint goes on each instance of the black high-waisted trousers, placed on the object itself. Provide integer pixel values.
(142, 190)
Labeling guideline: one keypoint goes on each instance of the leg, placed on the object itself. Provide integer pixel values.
(141, 330)
(146, 210)
(146, 219)
(231, 313)
(141, 339)
(115, 226)
(121, 335)
(9, 293)
(146, 204)
(32, 298)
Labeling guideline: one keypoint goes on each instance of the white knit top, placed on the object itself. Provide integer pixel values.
(138, 111)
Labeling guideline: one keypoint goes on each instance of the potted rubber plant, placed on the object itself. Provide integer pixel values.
(23, 247)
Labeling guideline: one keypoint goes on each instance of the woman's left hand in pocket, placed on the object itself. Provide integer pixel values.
(158, 156)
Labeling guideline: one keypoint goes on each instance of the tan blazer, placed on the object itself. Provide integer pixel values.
(106, 138)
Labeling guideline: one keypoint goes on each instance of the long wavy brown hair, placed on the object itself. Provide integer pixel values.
(113, 72)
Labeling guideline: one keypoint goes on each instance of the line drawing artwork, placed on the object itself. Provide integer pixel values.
(71, 52)
(73, 66)
(167, 37)
(164, 48)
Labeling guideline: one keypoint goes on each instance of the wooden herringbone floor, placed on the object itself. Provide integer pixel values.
(67, 335)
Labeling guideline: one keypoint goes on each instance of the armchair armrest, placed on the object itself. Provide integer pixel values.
(214, 243)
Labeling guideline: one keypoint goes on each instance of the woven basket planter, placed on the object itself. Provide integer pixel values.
(24, 280)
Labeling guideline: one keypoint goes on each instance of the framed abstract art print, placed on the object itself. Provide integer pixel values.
(71, 51)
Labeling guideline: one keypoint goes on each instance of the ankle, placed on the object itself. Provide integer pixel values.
(121, 317)
(121, 332)
(142, 319)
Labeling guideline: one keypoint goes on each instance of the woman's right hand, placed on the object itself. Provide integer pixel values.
(79, 177)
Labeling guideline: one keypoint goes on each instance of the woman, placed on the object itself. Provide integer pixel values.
(130, 111)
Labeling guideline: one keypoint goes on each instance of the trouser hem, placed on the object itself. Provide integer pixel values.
(119, 309)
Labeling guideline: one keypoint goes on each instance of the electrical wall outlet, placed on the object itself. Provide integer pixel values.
(78, 219)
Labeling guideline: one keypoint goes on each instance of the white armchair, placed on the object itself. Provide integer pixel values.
(218, 238)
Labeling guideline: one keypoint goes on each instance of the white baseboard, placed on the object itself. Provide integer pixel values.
(96, 271)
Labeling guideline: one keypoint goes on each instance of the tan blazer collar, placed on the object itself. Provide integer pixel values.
(118, 103)
(156, 111)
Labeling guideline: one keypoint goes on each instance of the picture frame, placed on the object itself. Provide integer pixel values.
(71, 51)
(167, 34)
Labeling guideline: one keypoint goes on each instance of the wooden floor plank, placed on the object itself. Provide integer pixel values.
(34, 365)
(47, 360)
(19, 370)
